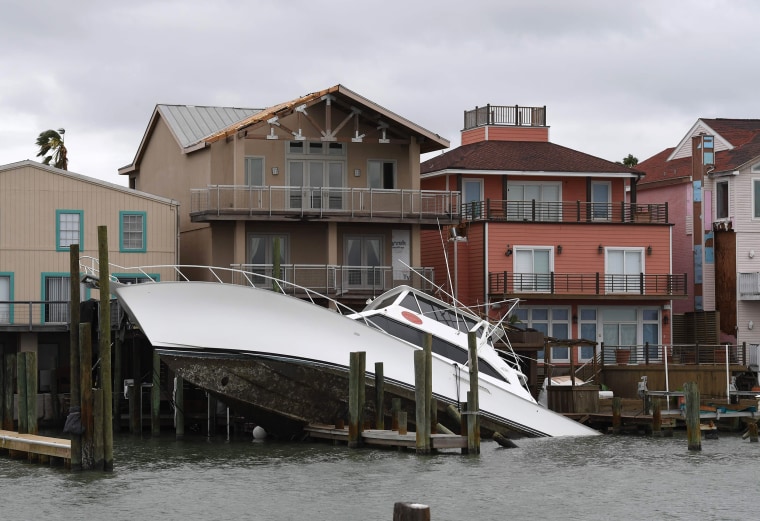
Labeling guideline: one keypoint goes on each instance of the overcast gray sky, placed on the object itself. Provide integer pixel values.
(617, 77)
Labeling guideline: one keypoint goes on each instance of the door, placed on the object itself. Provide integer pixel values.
(600, 201)
(364, 255)
(533, 269)
(472, 194)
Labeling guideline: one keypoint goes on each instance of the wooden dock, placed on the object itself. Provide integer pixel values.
(35, 448)
(386, 438)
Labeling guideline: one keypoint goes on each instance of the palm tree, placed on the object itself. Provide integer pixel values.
(630, 161)
(52, 141)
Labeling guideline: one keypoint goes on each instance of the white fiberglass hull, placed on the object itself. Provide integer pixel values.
(212, 316)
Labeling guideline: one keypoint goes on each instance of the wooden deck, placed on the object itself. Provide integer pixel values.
(386, 438)
(35, 447)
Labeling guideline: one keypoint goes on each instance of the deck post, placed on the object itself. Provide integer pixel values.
(379, 396)
(752, 430)
(117, 383)
(2, 391)
(411, 512)
(473, 404)
(31, 393)
(135, 420)
(395, 410)
(75, 392)
(427, 347)
(104, 343)
(155, 397)
(9, 372)
(617, 408)
(23, 417)
(85, 357)
(402, 423)
(421, 419)
(179, 407)
(693, 431)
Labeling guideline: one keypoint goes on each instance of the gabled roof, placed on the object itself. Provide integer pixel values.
(189, 124)
(429, 141)
(737, 142)
(498, 157)
(85, 179)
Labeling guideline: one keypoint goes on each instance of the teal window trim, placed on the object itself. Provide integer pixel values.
(9, 274)
(122, 247)
(58, 214)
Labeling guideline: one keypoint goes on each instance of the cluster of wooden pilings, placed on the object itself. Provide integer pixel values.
(90, 420)
(426, 407)
(24, 365)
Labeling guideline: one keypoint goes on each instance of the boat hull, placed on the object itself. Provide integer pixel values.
(225, 318)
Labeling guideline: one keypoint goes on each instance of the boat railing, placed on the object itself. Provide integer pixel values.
(193, 272)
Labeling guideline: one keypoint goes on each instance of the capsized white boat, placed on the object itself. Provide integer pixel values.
(207, 317)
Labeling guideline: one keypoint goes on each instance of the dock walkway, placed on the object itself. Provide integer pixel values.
(35, 447)
(386, 438)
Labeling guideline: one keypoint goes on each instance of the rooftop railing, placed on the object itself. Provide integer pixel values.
(650, 284)
(509, 115)
(217, 200)
(565, 212)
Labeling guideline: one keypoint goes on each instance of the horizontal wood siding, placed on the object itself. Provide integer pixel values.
(496, 133)
(29, 198)
(473, 136)
(472, 279)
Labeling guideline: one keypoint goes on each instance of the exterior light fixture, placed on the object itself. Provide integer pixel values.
(600, 249)
(649, 250)
(357, 172)
(275, 170)
(509, 251)
(559, 249)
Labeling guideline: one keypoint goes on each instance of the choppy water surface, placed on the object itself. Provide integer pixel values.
(606, 477)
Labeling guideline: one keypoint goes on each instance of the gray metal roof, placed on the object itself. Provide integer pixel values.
(190, 124)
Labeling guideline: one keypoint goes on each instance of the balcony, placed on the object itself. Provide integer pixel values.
(337, 281)
(33, 315)
(564, 212)
(578, 285)
(233, 202)
(749, 286)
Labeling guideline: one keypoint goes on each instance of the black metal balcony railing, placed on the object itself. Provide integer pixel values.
(26, 314)
(338, 280)
(304, 201)
(678, 354)
(513, 115)
(651, 284)
(565, 212)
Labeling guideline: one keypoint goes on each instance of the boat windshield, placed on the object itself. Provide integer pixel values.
(440, 313)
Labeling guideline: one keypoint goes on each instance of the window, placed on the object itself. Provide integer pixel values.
(560, 325)
(587, 331)
(554, 322)
(472, 193)
(363, 256)
(651, 331)
(534, 201)
(136, 278)
(68, 229)
(381, 174)
(623, 270)
(6, 295)
(56, 294)
(316, 182)
(600, 200)
(254, 171)
(756, 198)
(533, 268)
(708, 150)
(132, 232)
(721, 200)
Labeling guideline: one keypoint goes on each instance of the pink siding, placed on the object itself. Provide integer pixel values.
(679, 210)
(473, 135)
(499, 133)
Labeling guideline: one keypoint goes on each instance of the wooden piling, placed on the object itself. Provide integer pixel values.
(155, 397)
(9, 372)
(2, 390)
(135, 415)
(355, 398)
(104, 336)
(85, 357)
(23, 417)
(411, 512)
(116, 387)
(473, 406)
(752, 430)
(656, 418)
(403, 424)
(75, 395)
(179, 407)
(617, 410)
(693, 431)
(98, 459)
(427, 347)
(31, 393)
(379, 396)
(420, 404)
(395, 410)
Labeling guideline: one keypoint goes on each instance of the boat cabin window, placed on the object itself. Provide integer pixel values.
(383, 303)
(439, 313)
(440, 347)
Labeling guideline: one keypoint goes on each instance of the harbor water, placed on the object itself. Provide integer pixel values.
(598, 478)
